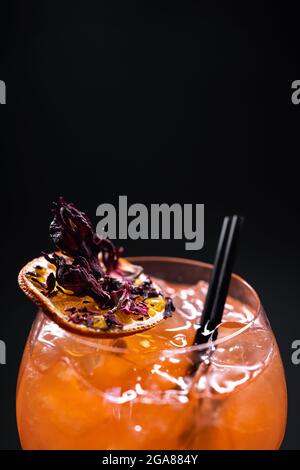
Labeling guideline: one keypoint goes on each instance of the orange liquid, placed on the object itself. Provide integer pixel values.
(137, 393)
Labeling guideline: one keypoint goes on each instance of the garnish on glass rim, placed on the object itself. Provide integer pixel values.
(86, 287)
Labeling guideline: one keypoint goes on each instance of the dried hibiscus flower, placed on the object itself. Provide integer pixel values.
(73, 234)
(71, 230)
(90, 270)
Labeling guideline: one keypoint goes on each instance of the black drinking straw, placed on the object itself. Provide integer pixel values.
(220, 280)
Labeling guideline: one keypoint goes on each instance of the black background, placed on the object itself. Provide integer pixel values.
(184, 102)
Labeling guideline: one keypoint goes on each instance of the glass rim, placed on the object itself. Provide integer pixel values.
(196, 347)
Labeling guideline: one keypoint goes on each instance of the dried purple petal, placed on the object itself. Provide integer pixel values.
(50, 282)
(70, 309)
(169, 308)
(73, 234)
(131, 308)
(89, 322)
(110, 252)
(75, 318)
(112, 320)
(145, 289)
(71, 230)
(153, 292)
(78, 278)
(110, 284)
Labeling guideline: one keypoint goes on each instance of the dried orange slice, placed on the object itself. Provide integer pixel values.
(60, 304)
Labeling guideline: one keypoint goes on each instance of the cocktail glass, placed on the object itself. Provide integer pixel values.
(138, 392)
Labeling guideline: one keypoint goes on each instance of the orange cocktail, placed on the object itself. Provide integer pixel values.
(138, 392)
